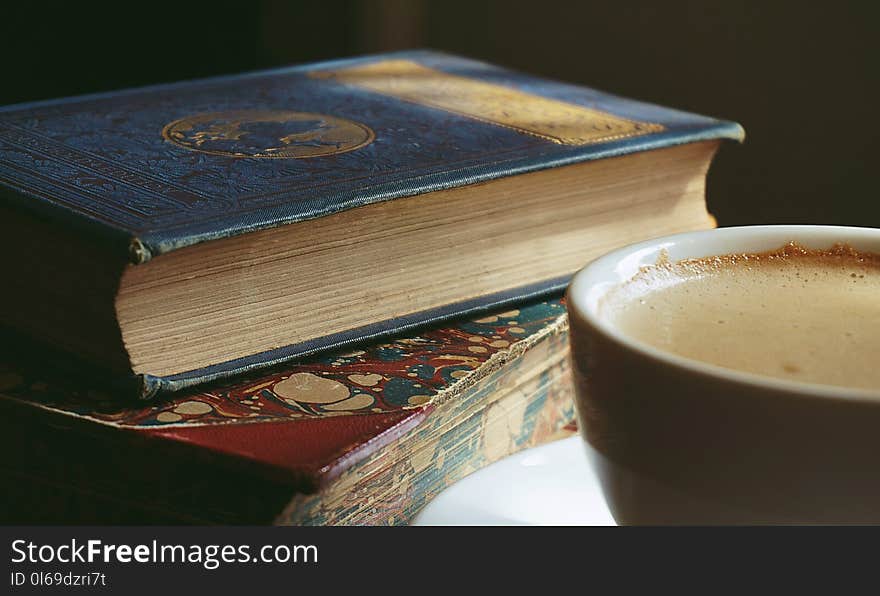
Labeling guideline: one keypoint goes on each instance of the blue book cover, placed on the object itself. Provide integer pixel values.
(145, 172)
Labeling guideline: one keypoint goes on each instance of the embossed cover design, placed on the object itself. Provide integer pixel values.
(172, 165)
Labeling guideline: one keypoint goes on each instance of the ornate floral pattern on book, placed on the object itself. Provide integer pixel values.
(457, 439)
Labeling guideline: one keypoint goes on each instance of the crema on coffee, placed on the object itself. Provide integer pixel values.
(798, 314)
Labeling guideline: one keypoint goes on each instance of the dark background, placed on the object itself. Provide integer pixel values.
(802, 78)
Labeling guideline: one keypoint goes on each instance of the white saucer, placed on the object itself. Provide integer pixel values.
(548, 485)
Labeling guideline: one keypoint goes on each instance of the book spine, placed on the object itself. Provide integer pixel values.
(119, 243)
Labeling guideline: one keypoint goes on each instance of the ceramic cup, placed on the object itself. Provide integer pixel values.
(678, 441)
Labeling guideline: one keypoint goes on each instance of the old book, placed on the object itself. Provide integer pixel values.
(361, 437)
(184, 233)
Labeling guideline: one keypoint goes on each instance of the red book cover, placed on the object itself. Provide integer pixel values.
(291, 433)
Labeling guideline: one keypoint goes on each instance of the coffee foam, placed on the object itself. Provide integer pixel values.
(795, 313)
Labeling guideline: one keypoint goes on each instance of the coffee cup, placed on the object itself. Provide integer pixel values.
(677, 440)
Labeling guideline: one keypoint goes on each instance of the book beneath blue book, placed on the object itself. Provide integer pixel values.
(182, 233)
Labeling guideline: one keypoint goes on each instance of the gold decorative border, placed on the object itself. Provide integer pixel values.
(550, 119)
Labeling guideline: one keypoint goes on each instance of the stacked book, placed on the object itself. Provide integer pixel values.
(313, 295)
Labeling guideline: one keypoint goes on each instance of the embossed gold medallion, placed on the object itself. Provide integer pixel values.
(268, 134)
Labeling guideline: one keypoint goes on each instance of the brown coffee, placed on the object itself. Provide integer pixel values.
(793, 313)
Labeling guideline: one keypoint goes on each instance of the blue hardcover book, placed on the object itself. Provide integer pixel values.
(182, 233)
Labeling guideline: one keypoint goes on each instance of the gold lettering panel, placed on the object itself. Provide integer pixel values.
(551, 119)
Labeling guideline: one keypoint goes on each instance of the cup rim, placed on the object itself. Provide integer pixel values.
(580, 298)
